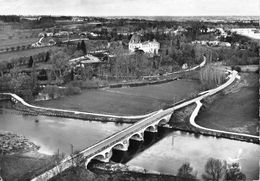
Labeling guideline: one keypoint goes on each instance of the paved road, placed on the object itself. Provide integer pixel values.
(193, 123)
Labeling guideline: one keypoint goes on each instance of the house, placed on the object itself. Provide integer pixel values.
(184, 66)
(147, 46)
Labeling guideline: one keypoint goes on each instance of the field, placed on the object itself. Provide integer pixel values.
(236, 112)
(11, 36)
(19, 166)
(126, 101)
(24, 53)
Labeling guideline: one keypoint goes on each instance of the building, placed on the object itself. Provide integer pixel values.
(248, 32)
(147, 46)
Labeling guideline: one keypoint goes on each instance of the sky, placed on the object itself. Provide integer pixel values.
(131, 7)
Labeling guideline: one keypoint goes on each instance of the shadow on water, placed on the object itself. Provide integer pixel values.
(137, 147)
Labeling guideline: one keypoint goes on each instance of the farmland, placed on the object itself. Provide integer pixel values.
(11, 36)
(24, 53)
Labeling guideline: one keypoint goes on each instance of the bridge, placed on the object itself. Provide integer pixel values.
(102, 150)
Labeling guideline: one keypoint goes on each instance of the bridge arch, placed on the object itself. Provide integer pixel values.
(162, 122)
(137, 136)
(103, 156)
(99, 157)
(123, 146)
(151, 128)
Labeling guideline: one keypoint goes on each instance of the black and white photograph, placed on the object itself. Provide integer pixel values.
(129, 90)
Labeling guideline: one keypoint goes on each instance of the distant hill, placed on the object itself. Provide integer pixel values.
(188, 18)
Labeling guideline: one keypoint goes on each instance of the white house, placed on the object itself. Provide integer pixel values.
(147, 46)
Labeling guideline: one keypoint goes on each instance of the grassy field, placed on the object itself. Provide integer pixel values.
(17, 42)
(126, 101)
(11, 36)
(237, 112)
(18, 166)
(24, 53)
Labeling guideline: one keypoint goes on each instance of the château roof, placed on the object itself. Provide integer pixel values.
(135, 38)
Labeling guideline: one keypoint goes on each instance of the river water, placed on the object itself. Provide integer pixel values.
(166, 154)
(170, 152)
(52, 133)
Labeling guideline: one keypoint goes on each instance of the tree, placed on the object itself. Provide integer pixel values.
(47, 58)
(2, 68)
(214, 170)
(193, 53)
(178, 44)
(211, 77)
(60, 62)
(83, 47)
(234, 173)
(186, 171)
(78, 46)
(30, 63)
(21, 84)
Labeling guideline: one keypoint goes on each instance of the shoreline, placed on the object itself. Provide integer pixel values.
(59, 113)
(14, 144)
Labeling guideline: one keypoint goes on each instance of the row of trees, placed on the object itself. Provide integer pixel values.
(215, 170)
(10, 18)
(210, 77)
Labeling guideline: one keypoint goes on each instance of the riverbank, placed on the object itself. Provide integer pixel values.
(114, 171)
(12, 143)
(19, 157)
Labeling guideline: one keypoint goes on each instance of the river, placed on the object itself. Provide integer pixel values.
(53, 133)
(175, 148)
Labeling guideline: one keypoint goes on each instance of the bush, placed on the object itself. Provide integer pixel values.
(73, 90)
(55, 91)
(88, 84)
(236, 68)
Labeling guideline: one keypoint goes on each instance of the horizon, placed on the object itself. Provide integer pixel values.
(101, 8)
(129, 15)
(58, 15)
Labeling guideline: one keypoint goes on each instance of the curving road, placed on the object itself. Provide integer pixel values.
(19, 99)
(193, 123)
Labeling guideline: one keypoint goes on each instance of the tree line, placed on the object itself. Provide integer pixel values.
(215, 170)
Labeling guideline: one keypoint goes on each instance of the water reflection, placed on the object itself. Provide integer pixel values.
(52, 133)
(170, 152)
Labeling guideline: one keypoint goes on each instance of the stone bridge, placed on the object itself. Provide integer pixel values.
(102, 150)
